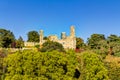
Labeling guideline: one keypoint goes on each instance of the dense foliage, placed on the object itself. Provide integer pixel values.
(30, 65)
(6, 38)
(92, 67)
(113, 71)
(50, 46)
(104, 46)
(94, 39)
(19, 42)
(33, 36)
(80, 43)
(112, 63)
(52, 62)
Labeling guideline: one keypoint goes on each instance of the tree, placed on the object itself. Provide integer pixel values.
(113, 38)
(7, 38)
(80, 43)
(19, 42)
(33, 36)
(114, 44)
(45, 38)
(50, 46)
(103, 48)
(31, 65)
(109, 46)
(92, 67)
(94, 39)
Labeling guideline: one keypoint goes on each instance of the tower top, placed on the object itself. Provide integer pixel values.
(63, 35)
(72, 31)
(41, 30)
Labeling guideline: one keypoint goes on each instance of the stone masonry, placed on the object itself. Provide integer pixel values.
(68, 42)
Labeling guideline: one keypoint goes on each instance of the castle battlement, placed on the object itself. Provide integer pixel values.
(68, 42)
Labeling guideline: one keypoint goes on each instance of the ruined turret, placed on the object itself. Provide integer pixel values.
(73, 37)
(41, 37)
(72, 31)
(63, 35)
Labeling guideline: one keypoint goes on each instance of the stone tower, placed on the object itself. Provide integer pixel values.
(41, 37)
(72, 37)
(63, 35)
(72, 31)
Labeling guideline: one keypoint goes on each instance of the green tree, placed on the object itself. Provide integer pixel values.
(6, 38)
(45, 38)
(50, 46)
(94, 39)
(33, 36)
(31, 65)
(80, 43)
(103, 49)
(19, 42)
(113, 38)
(115, 48)
(113, 42)
(92, 67)
(108, 46)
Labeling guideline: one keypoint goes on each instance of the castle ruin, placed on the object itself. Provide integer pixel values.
(68, 42)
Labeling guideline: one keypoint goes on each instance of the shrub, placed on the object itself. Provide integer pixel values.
(113, 71)
(50, 46)
(92, 67)
(103, 53)
(30, 65)
(113, 65)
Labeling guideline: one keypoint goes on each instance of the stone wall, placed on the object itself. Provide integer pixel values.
(30, 44)
(68, 42)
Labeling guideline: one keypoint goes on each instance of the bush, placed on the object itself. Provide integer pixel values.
(103, 53)
(50, 46)
(30, 65)
(92, 67)
(113, 65)
(113, 71)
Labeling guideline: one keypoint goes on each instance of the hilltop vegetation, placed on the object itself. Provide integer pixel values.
(98, 59)
(54, 65)
(30, 65)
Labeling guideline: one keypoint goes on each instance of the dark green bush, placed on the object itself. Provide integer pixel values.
(50, 46)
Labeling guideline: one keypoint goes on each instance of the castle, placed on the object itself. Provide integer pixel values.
(68, 42)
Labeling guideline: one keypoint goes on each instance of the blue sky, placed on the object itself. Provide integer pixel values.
(56, 16)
